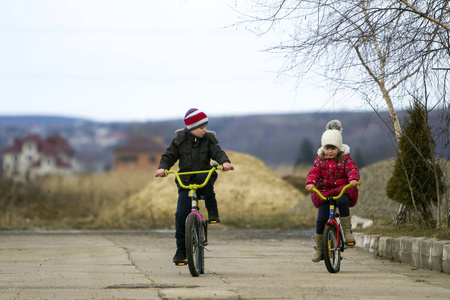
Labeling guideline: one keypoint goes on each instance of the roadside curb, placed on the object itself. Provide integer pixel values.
(425, 253)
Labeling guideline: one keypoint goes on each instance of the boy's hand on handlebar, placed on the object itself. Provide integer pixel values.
(160, 173)
(227, 167)
(353, 183)
(309, 187)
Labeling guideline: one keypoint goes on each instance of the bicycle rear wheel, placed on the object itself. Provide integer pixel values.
(331, 250)
(194, 247)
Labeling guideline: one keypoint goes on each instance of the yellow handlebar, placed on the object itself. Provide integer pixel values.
(335, 197)
(194, 186)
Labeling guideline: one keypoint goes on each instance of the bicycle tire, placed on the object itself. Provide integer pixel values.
(194, 249)
(331, 250)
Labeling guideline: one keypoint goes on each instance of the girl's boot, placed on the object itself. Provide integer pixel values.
(317, 256)
(347, 227)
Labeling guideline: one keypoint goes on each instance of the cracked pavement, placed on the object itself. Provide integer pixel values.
(242, 264)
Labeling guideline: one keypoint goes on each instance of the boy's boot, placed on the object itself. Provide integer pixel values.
(347, 227)
(317, 256)
(180, 256)
(213, 215)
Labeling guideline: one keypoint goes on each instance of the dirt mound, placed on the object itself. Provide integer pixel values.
(251, 194)
(373, 202)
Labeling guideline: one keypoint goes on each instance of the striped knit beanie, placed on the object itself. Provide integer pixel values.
(195, 118)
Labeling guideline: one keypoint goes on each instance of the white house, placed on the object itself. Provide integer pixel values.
(33, 156)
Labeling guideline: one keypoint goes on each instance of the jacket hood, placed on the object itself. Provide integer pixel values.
(345, 148)
(178, 131)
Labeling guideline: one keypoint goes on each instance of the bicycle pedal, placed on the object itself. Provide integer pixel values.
(350, 245)
(207, 249)
(181, 263)
(212, 222)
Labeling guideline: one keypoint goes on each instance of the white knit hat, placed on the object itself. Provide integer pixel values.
(333, 134)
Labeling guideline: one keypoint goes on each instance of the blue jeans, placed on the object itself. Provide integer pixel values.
(184, 206)
(324, 212)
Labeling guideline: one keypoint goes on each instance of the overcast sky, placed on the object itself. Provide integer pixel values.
(140, 60)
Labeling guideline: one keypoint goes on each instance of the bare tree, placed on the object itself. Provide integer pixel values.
(377, 49)
(385, 51)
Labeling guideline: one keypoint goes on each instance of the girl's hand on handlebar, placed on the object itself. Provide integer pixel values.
(160, 173)
(309, 187)
(353, 183)
(227, 167)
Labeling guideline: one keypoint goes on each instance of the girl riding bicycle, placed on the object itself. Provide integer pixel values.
(194, 147)
(331, 171)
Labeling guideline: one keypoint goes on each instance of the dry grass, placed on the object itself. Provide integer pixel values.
(391, 229)
(252, 196)
(66, 202)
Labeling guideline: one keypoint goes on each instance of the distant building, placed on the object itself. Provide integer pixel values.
(141, 153)
(33, 156)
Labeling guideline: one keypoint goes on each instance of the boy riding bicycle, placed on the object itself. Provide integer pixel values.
(332, 170)
(194, 147)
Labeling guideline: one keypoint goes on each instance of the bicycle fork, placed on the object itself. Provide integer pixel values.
(203, 226)
(333, 221)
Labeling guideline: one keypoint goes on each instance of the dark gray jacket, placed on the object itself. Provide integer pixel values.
(193, 153)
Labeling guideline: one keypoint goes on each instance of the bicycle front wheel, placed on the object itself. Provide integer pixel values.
(331, 250)
(203, 241)
(194, 248)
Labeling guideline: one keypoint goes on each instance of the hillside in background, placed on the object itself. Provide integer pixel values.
(275, 139)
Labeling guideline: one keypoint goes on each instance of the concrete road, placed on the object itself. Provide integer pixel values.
(240, 265)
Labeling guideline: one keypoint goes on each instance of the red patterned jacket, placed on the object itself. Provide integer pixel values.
(329, 176)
